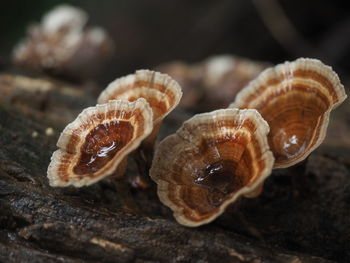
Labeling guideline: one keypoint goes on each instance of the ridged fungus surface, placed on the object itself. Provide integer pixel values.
(98, 142)
(296, 99)
(213, 159)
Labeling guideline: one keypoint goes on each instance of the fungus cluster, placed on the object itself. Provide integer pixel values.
(97, 143)
(219, 156)
(276, 121)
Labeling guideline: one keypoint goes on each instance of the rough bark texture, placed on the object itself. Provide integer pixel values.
(301, 216)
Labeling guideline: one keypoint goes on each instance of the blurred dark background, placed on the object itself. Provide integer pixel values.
(150, 32)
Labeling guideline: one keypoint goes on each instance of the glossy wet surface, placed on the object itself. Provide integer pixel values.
(295, 120)
(220, 179)
(288, 145)
(102, 144)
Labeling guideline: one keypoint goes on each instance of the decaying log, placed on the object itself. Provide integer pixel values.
(302, 215)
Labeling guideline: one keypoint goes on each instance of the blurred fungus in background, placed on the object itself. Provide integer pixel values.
(202, 81)
(149, 33)
(61, 45)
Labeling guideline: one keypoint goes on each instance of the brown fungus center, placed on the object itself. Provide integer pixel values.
(102, 144)
(293, 125)
(219, 176)
(220, 179)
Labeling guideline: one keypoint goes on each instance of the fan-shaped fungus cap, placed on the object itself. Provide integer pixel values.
(295, 98)
(160, 90)
(98, 141)
(213, 159)
(61, 45)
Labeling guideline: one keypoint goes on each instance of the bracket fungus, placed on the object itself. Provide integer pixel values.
(212, 160)
(296, 99)
(96, 144)
(160, 90)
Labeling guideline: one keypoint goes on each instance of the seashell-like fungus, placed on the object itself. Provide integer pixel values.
(61, 45)
(160, 90)
(213, 159)
(98, 142)
(296, 99)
